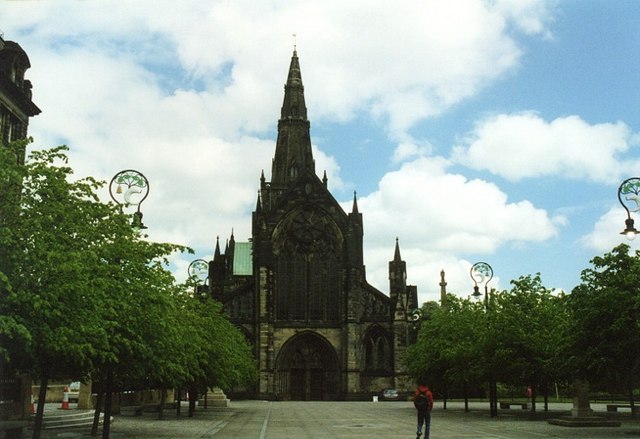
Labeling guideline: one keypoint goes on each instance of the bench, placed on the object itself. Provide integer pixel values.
(507, 405)
(615, 407)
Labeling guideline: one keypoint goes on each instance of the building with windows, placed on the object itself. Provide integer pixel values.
(16, 106)
(298, 288)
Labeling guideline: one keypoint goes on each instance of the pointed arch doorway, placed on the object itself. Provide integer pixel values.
(307, 369)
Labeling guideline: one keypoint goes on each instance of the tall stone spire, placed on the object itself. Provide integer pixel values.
(293, 149)
(443, 289)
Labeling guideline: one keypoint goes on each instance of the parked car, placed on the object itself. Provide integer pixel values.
(389, 395)
(74, 391)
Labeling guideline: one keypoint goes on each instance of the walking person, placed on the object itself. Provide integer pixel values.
(423, 402)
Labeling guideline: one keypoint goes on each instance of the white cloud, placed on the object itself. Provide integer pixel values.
(424, 56)
(410, 148)
(450, 212)
(437, 215)
(529, 16)
(517, 146)
(190, 95)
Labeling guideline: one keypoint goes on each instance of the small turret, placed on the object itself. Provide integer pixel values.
(397, 276)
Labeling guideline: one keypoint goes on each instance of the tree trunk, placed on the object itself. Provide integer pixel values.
(632, 402)
(163, 397)
(534, 394)
(106, 422)
(466, 397)
(96, 413)
(42, 395)
(444, 397)
(546, 398)
(193, 397)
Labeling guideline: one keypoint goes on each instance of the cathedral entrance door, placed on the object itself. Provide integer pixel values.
(307, 369)
(297, 384)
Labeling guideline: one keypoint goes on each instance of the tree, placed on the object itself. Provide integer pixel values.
(79, 279)
(84, 295)
(604, 343)
(12, 331)
(449, 349)
(221, 356)
(526, 322)
(49, 261)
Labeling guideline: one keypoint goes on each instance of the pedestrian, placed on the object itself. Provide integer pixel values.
(423, 402)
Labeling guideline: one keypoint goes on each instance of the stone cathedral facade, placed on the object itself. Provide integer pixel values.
(298, 288)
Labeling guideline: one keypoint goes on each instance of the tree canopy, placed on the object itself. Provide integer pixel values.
(603, 341)
(83, 294)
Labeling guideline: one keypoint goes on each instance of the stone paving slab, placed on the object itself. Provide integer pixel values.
(323, 420)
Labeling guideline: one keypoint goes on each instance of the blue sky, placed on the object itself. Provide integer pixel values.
(472, 130)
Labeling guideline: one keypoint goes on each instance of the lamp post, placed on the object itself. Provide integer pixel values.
(630, 189)
(130, 188)
(127, 188)
(199, 271)
(482, 273)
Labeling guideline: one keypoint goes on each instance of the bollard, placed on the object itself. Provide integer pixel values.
(65, 399)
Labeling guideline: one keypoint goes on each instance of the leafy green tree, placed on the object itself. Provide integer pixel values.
(142, 348)
(50, 262)
(221, 356)
(526, 334)
(84, 289)
(84, 295)
(604, 334)
(449, 350)
(12, 331)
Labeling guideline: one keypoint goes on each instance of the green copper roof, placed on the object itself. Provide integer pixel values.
(242, 259)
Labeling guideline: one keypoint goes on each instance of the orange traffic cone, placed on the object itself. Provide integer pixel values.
(65, 399)
(32, 409)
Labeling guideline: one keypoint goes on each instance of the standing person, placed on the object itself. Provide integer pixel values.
(423, 402)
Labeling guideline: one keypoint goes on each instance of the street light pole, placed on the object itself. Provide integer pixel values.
(199, 271)
(482, 273)
(127, 188)
(130, 188)
(630, 188)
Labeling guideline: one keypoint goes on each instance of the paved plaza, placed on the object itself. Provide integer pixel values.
(322, 420)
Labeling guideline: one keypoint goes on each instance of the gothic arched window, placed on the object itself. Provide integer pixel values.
(377, 350)
(307, 270)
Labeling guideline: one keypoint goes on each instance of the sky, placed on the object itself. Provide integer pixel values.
(495, 131)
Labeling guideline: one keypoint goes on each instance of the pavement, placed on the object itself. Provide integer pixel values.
(322, 420)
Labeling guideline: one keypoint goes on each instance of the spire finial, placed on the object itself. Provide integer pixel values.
(396, 256)
(354, 209)
(295, 42)
(217, 253)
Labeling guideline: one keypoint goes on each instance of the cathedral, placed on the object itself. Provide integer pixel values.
(298, 288)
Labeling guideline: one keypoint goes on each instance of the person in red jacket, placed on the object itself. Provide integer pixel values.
(423, 402)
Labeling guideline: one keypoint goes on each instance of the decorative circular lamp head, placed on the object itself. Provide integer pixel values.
(130, 188)
(481, 273)
(199, 270)
(629, 192)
